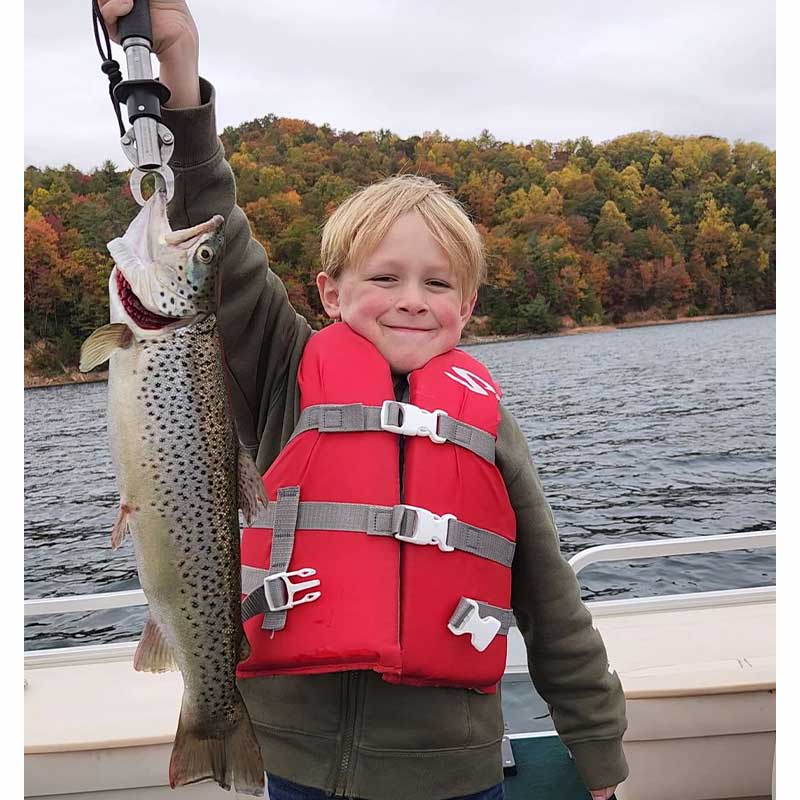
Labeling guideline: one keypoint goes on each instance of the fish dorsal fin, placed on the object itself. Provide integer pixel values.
(102, 343)
(244, 649)
(153, 654)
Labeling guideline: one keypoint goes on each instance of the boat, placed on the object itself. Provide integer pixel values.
(698, 671)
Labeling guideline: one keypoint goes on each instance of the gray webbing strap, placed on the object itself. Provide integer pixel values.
(460, 535)
(255, 602)
(314, 516)
(480, 542)
(339, 419)
(392, 520)
(464, 608)
(282, 546)
(468, 437)
(357, 417)
(252, 579)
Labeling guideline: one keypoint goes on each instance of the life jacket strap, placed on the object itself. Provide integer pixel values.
(324, 516)
(481, 621)
(420, 526)
(277, 592)
(406, 523)
(405, 419)
(271, 591)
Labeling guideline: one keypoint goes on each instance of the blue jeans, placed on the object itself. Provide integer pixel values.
(280, 789)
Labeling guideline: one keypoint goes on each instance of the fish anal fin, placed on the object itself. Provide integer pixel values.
(251, 487)
(120, 526)
(153, 654)
(102, 343)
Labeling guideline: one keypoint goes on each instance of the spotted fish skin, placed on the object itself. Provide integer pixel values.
(178, 462)
(175, 452)
(174, 449)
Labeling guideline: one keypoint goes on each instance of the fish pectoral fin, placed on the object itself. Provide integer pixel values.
(120, 526)
(154, 653)
(251, 488)
(102, 343)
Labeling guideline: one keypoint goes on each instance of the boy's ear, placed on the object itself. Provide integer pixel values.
(328, 295)
(467, 306)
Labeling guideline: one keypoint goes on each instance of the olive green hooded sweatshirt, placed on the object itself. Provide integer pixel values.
(350, 733)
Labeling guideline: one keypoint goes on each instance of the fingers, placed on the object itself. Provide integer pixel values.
(111, 11)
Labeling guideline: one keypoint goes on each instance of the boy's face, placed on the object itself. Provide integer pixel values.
(405, 298)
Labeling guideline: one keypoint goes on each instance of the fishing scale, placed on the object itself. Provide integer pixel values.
(148, 143)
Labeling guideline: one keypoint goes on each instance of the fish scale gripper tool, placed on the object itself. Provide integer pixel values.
(148, 143)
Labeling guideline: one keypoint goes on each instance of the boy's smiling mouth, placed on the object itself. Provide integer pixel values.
(407, 329)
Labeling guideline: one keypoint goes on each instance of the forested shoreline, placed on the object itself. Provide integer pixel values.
(643, 227)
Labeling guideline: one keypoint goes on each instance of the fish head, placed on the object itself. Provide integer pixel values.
(164, 278)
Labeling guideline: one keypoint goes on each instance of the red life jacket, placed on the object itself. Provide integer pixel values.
(381, 603)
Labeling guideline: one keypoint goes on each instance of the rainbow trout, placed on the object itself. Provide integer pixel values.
(182, 478)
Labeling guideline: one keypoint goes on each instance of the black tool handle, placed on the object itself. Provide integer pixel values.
(136, 23)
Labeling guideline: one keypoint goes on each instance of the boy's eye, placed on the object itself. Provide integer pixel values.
(435, 282)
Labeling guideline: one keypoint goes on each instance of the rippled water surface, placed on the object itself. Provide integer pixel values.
(661, 431)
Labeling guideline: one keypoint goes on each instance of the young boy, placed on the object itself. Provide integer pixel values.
(401, 267)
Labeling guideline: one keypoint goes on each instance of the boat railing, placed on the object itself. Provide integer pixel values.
(692, 545)
(646, 549)
(672, 547)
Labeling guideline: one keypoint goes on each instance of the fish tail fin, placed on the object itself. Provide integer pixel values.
(248, 765)
(196, 758)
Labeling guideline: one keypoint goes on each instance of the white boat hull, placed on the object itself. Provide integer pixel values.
(698, 673)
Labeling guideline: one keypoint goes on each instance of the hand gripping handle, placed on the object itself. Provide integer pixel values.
(136, 23)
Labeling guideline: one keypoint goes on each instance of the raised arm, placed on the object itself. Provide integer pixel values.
(262, 335)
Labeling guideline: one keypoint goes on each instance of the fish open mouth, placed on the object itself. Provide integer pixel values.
(145, 319)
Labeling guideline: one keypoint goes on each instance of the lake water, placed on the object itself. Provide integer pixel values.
(661, 431)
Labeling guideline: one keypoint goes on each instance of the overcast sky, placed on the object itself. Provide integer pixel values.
(524, 70)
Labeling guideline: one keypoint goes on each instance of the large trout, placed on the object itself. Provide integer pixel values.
(181, 476)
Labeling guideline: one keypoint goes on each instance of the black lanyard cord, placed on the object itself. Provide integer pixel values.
(109, 66)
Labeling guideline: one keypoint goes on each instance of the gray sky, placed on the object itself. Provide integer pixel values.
(524, 70)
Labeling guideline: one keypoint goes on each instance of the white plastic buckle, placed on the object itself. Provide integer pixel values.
(481, 629)
(292, 588)
(429, 528)
(416, 421)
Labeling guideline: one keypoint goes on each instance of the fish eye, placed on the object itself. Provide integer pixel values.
(205, 254)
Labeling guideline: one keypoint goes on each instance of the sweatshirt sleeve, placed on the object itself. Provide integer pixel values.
(566, 655)
(263, 337)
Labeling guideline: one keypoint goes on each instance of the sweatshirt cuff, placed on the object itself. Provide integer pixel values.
(194, 129)
(600, 763)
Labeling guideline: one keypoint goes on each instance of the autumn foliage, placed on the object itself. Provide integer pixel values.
(643, 226)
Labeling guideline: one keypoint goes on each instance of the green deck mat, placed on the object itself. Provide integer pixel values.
(544, 771)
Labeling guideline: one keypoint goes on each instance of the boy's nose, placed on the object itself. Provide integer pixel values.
(413, 301)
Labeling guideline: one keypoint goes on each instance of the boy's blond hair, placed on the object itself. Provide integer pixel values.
(356, 228)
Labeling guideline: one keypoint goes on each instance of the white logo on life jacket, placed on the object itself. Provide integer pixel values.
(472, 381)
